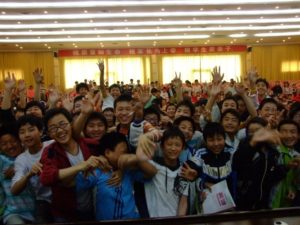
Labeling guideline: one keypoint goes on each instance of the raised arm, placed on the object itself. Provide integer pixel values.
(240, 89)
(102, 85)
(9, 85)
(86, 109)
(38, 79)
(22, 93)
(178, 87)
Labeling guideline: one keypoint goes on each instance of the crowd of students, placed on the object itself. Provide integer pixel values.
(139, 151)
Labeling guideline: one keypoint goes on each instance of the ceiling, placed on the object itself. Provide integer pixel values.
(53, 25)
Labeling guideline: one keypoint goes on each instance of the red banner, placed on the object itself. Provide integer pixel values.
(152, 51)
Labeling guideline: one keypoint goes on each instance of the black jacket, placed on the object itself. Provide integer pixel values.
(257, 171)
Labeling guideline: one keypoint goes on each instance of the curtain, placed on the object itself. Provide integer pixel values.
(200, 67)
(23, 64)
(277, 62)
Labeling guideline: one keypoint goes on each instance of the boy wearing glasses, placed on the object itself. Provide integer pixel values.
(62, 161)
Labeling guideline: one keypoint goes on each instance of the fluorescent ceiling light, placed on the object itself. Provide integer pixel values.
(77, 40)
(147, 23)
(277, 34)
(237, 35)
(88, 4)
(142, 31)
(147, 14)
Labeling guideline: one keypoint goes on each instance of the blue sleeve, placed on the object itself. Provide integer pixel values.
(137, 175)
(86, 182)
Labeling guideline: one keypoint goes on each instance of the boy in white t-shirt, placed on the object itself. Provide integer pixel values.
(28, 167)
(161, 198)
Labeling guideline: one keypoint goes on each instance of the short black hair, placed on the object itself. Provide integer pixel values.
(232, 112)
(114, 86)
(96, 116)
(211, 129)
(262, 80)
(111, 140)
(35, 103)
(9, 128)
(295, 107)
(122, 98)
(229, 98)
(288, 121)
(154, 90)
(172, 132)
(32, 120)
(170, 104)
(78, 98)
(257, 120)
(81, 85)
(152, 110)
(267, 100)
(188, 104)
(178, 120)
(56, 111)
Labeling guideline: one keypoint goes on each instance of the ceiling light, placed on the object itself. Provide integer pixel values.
(124, 10)
(261, 17)
(148, 23)
(49, 47)
(76, 46)
(125, 20)
(21, 47)
(201, 9)
(237, 35)
(162, 9)
(194, 18)
(63, 29)
(160, 19)
(3, 13)
(231, 42)
(289, 38)
(85, 39)
(279, 34)
(85, 11)
(45, 44)
(71, 16)
(19, 22)
(17, 45)
(179, 43)
(238, 8)
(45, 12)
(257, 41)
(277, 7)
(91, 21)
(261, 39)
(283, 40)
(227, 18)
(55, 21)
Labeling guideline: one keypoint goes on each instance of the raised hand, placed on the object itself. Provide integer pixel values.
(216, 88)
(53, 97)
(252, 75)
(10, 82)
(21, 86)
(146, 148)
(188, 173)
(87, 107)
(240, 89)
(116, 178)
(266, 135)
(38, 75)
(177, 80)
(67, 102)
(101, 65)
(216, 75)
(36, 168)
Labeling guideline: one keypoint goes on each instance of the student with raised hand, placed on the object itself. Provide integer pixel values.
(284, 192)
(268, 110)
(161, 198)
(257, 167)
(113, 201)
(114, 90)
(18, 209)
(62, 161)
(28, 167)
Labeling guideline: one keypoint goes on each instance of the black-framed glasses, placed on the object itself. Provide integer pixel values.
(54, 129)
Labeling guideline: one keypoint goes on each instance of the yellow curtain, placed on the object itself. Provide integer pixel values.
(199, 67)
(23, 64)
(277, 62)
(116, 69)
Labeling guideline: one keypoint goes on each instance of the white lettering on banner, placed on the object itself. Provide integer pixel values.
(227, 48)
(117, 52)
(100, 52)
(173, 50)
(156, 51)
(108, 51)
(132, 51)
(76, 52)
(220, 49)
(140, 51)
(203, 50)
(187, 50)
(211, 49)
(92, 52)
(149, 51)
(195, 50)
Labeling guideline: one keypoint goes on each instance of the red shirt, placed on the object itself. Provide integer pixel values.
(54, 158)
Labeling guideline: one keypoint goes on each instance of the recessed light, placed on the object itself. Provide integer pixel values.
(125, 20)
(49, 47)
(85, 11)
(95, 28)
(124, 10)
(3, 13)
(205, 43)
(73, 44)
(201, 9)
(208, 41)
(179, 43)
(189, 27)
(7, 38)
(227, 18)
(19, 22)
(239, 8)
(277, 7)
(296, 16)
(55, 21)
(261, 39)
(157, 27)
(162, 9)
(45, 12)
(281, 24)
(76, 46)
(156, 34)
(234, 40)
(194, 18)
(257, 41)
(289, 38)
(126, 28)
(69, 36)
(261, 17)
(127, 35)
(91, 21)
(270, 31)
(231, 42)
(160, 19)
(250, 25)
(213, 33)
(38, 37)
(30, 30)
(46, 44)
(98, 36)
(283, 40)
(21, 47)
(17, 45)
(63, 29)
